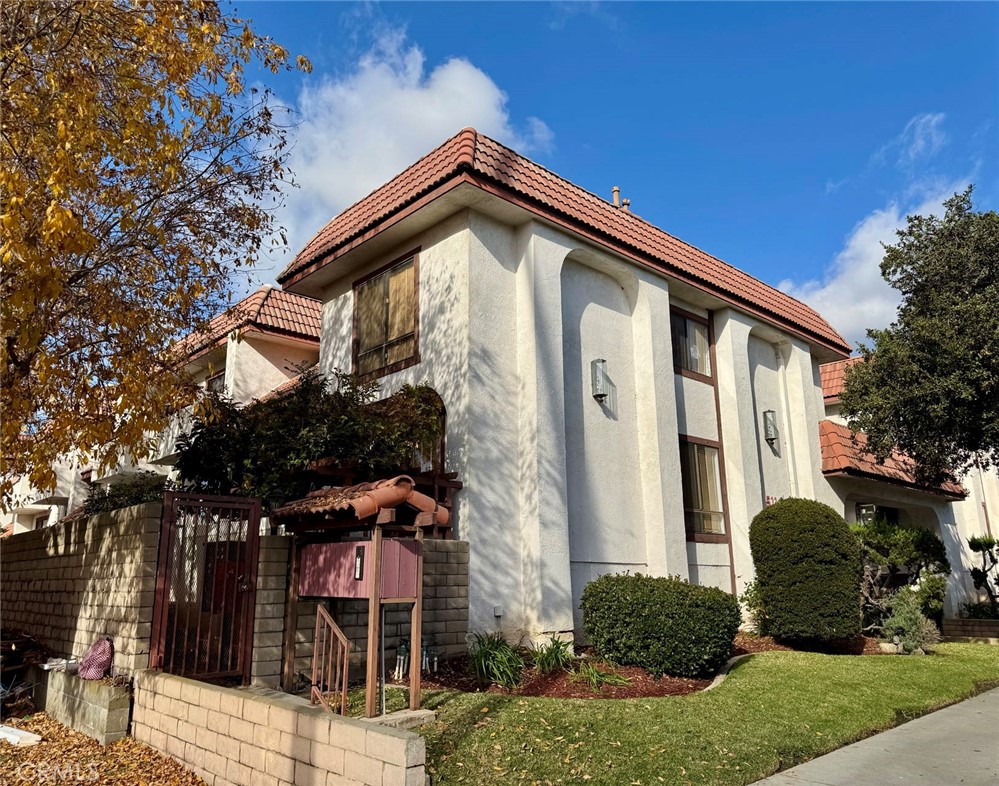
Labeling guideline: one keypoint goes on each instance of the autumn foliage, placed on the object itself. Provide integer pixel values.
(137, 171)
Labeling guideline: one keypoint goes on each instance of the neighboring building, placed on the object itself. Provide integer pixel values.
(606, 384)
(260, 344)
(863, 489)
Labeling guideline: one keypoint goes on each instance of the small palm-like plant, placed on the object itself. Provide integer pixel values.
(555, 655)
(495, 661)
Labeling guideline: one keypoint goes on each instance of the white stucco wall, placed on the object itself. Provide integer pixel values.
(255, 364)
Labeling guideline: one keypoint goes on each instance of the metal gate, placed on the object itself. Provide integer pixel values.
(206, 586)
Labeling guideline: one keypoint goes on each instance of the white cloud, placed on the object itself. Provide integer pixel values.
(921, 139)
(358, 130)
(853, 296)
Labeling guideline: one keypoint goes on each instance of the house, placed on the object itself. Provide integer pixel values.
(617, 400)
(257, 346)
(863, 489)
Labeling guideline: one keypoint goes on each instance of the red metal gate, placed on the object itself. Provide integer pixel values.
(206, 586)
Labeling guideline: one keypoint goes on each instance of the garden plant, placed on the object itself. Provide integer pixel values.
(808, 571)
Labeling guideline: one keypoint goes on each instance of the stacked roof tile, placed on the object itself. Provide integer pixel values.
(477, 159)
(844, 453)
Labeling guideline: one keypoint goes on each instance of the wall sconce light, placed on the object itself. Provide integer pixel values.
(770, 432)
(598, 379)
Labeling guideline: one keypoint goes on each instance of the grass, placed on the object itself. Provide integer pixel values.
(774, 711)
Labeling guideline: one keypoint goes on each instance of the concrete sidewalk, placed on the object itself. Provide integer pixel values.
(955, 745)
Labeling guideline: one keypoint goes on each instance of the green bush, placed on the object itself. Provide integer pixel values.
(907, 626)
(808, 571)
(131, 490)
(495, 661)
(980, 611)
(750, 598)
(893, 554)
(556, 655)
(665, 625)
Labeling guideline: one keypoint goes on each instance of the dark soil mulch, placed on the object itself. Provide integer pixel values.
(746, 643)
(456, 675)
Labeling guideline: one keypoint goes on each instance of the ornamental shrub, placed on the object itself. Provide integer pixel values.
(907, 626)
(664, 625)
(808, 571)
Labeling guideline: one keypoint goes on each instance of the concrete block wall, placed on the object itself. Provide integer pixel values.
(268, 621)
(445, 611)
(235, 737)
(968, 628)
(71, 583)
(90, 706)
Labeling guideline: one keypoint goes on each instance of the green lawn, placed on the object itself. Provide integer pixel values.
(775, 710)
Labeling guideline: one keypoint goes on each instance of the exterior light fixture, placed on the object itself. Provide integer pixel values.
(598, 379)
(770, 432)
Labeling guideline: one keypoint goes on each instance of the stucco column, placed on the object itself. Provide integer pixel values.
(735, 401)
(544, 517)
(801, 416)
(658, 448)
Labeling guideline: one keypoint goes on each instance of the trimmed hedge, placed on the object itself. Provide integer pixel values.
(808, 571)
(664, 625)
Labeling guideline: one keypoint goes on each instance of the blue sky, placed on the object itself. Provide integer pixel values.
(789, 139)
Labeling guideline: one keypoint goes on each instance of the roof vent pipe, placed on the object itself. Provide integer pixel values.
(616, 198)
(625, 205)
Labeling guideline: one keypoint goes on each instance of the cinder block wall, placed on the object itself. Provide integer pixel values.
(445, 611)
(89, 706)
(232, 737)
(72, 583)
(268, 621)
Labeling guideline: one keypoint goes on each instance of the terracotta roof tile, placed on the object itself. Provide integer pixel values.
(832, 376)
(268, 309)
(363, 501)
(492, 165)
(844, 454)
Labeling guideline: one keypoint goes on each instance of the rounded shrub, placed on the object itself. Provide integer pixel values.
(808, 571)
(664, 625)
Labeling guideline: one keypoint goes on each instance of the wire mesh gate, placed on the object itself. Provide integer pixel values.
(206, 586)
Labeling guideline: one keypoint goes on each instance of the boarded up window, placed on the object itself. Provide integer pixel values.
(386, 315)
(702, 495)
(691, 350)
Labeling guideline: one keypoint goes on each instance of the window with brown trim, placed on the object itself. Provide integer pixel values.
(216, 383)
(385, 319)
(700, 476)
(691, 343)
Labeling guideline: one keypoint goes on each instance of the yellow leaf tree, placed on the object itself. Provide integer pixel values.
(137, 172)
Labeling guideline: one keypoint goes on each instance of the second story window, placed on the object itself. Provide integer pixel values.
(691, 346)
(385, 320)
(216, 383)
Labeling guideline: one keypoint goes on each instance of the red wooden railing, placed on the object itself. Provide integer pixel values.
(330, 662)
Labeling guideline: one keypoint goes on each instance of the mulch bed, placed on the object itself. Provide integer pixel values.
(455, 675)
(66, 756)
(746, 643)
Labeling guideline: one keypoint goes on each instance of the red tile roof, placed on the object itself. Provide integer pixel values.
(269, 309)
(483, 162)
(832, 376)
(846, 454)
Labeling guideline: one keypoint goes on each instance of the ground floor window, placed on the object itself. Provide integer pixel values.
(700, 475)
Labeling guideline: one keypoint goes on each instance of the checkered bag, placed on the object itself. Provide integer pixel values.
(96, 664)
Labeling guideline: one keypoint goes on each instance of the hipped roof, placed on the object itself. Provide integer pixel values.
(268, 309)
(844, 453)
(471, 157)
